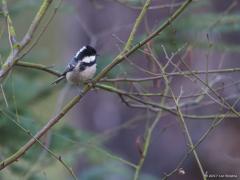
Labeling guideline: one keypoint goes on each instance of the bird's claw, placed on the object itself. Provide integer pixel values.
(90, 83)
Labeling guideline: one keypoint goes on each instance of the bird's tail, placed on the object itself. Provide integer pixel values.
(58, 80)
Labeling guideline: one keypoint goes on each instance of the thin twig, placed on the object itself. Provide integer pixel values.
(11, 29)
(182, 73)
(214, 124)
(186, 132)
(136, 25)
(4, 95)
(38, 67)
(222, 99)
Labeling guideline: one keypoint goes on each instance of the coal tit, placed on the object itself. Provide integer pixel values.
(81, 68)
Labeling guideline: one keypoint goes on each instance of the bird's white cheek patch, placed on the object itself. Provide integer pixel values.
(89, 59)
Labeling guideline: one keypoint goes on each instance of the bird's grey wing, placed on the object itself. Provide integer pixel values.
(70, 67)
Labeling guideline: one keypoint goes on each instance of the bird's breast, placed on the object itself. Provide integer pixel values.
(88, 73)
(77, 76)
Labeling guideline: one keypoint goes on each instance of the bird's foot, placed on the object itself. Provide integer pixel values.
(90, 83)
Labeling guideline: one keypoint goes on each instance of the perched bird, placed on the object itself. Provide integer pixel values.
(81, 68)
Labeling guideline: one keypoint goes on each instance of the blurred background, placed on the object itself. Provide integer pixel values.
(102, 134)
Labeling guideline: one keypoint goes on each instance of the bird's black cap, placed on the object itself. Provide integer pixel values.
(84, 52)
